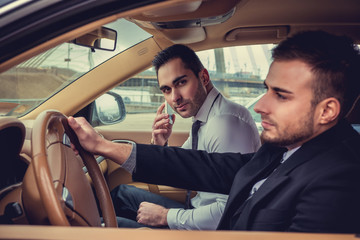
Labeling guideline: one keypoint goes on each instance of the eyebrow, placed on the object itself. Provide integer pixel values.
(278, 89)
(174, 81)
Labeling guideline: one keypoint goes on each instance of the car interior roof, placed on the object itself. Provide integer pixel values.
(279, 19)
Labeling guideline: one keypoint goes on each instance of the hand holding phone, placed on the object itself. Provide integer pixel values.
(169, 111)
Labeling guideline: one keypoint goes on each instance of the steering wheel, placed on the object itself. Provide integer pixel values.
(63, 190)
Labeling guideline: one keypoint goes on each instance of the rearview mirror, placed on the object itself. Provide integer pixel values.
(102, 38)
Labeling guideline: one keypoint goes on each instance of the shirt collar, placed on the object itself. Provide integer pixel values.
(205, 108)
(287, 154)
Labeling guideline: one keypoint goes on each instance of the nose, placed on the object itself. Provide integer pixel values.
(261, 105)
(175, 95)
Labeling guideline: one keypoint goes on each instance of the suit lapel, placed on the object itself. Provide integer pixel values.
(267, 188)
(246, 177)
(277, 178)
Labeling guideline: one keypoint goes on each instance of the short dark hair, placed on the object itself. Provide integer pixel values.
(334, 61)
(186, 54)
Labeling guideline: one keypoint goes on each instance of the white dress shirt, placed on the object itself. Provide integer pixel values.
(226, 127)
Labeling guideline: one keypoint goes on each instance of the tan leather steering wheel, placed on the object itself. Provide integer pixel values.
(64, 190)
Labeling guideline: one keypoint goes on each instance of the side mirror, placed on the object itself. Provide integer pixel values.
(102, 38)
(108, 109)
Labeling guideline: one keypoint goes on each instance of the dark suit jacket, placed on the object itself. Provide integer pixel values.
(316, 190)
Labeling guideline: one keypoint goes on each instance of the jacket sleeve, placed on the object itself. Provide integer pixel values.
(188, 169)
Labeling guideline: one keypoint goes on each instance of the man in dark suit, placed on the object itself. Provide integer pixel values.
(306, 175)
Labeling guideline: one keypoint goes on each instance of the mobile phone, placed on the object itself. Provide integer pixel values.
(170, 111)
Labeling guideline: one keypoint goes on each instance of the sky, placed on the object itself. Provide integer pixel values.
(239, 59)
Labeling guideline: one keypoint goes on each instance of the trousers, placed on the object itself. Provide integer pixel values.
(126, 200)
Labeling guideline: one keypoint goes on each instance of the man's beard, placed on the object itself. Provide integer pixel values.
(290, 137)
(196, 103)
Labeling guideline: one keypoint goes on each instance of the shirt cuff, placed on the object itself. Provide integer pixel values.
(130, 163)
(171, 217)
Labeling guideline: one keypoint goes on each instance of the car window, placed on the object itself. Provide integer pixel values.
(30, 83)
(238, 72)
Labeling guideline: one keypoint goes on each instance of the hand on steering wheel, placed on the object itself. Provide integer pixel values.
(63, 189)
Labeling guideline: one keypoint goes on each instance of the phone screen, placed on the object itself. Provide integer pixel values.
(169, 111)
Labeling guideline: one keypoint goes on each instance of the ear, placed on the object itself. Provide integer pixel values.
(329, 110)
(204, 77)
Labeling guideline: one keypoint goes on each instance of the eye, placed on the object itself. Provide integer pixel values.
(280, 96)
(166, 90)
(181, 82)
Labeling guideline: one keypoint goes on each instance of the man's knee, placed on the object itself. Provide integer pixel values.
(122, 190)
(125, 202)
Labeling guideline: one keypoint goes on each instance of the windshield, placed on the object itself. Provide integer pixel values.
(27, 85)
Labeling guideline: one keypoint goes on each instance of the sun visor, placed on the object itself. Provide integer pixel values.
(248, 33)
(186, 35)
